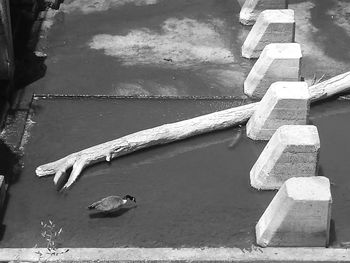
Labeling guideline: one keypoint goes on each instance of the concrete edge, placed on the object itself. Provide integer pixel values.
(255, 254)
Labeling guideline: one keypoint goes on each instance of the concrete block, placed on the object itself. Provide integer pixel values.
(277, 62)
(284, 103)
(298, 216)
(252, 9)
(272, 26)
(293, 151)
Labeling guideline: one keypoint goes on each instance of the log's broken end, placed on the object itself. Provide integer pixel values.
(42, 171)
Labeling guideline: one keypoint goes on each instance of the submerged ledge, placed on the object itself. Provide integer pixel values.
(178, 255)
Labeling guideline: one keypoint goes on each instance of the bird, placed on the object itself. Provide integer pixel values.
(111, 203)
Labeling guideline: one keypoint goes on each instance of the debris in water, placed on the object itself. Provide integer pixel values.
(345, 97)
(29, 124)
(236, 136)
(315, 81)
(182, 42)
(40, 54)
(345, 244)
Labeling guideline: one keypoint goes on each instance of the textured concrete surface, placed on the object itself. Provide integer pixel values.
(299, 215)
(205, 254)
(284, 103)
(292, 152)
(272, 26)
(277, 62)
(252, 9)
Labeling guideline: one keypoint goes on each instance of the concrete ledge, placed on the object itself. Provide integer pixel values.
(277, 62)
(285, 103)
(252, 9)
(291, 152)
(272, 26)
(299, 214)
(179, 255)
(3, 190)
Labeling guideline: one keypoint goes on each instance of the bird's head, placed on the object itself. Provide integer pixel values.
(131, 198)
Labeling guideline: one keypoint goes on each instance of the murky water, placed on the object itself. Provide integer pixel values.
(190, 193)
(168, 48)
(176, 47)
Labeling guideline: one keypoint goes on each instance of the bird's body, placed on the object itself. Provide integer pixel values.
(111, 203)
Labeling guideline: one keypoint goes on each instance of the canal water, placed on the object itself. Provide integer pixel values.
(191, 193)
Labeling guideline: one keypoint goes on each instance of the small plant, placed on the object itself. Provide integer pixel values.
(51, 234)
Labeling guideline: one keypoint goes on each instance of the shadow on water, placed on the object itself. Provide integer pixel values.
(10, 164)
(29, 69)
(10, 168)
(118, 213)
(29, 65)
(332, 233)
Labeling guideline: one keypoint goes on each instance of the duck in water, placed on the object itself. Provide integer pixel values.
(111, 203)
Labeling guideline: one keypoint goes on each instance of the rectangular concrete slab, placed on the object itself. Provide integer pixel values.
(258, 255)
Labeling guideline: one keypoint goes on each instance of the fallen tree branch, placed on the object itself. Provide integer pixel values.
(171, 132)
(139, 140)
(330, 87)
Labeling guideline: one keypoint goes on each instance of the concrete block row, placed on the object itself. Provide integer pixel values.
(299, 214)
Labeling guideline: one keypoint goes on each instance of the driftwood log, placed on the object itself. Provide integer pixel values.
(171, 132)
